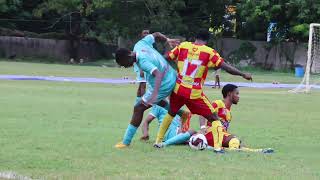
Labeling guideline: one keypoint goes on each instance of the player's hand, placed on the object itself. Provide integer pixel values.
(173, 42)
(151, 100)
(144, 138)
(247, 76)
(203, 131)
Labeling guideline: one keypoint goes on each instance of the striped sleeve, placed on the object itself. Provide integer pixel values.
(216, 60)
(173, 54)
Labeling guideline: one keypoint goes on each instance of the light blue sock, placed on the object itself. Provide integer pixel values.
(138, 99)
(130, 132)
(178, 139)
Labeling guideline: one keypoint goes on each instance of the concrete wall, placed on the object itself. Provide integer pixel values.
(276, 58)
(57, 49)
(90, 50)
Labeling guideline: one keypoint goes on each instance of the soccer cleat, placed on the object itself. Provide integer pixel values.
(267, 151)
(158, 145)
(120, 145)
(218, 150)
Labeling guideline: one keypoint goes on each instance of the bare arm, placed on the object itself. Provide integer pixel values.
(145, 127)
(202, 122)
(161, 37)
(158, 78)
(234, 71)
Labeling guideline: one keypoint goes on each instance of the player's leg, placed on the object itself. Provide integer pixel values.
(176, 102)
(230, 141)
(202, 107)
(215, 135)
(140, 92)
(135, 122)
(218, 80)
(179, 138)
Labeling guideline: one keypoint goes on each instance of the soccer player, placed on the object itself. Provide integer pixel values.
(160, 77)
(193, 60)
(217, 78)
(140, 75)
(217, 134)
(177, 126)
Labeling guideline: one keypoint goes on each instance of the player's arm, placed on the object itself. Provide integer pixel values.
(161, 37)
(145, 127)
(203, 126)
(158, 78)
(234, 71)
(141, 74)
(216, 61)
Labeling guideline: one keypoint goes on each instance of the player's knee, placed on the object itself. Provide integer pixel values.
(211, 117)
(139, 108)
(171, 113)
(234, 143)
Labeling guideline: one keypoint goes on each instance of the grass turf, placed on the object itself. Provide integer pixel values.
(63, 130)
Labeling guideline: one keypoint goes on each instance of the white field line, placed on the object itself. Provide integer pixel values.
(13, 175)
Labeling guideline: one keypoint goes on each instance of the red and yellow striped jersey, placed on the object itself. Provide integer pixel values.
(223, 113)
(193, 62)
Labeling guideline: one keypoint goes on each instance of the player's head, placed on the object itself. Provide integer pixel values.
(144, 33)
(125, 57)
(231, 92)
(203, 35)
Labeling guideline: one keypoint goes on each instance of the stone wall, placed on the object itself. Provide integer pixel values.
(49, 48)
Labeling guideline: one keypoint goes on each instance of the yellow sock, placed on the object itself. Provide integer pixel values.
(163, 128)
(217, 132)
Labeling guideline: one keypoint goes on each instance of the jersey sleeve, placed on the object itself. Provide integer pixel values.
(147, 66)
(149, 40)
(136, 69)
(215, 60)
(173, 54)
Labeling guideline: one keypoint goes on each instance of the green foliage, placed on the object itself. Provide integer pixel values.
(292, 18)
(108, 19)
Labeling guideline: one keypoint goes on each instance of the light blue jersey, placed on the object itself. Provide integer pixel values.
(159, 113)
(136, 69)
(148, 60)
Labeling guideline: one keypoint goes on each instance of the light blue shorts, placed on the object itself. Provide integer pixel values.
(164, 91)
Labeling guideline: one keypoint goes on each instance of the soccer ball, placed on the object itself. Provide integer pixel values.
(198, 142)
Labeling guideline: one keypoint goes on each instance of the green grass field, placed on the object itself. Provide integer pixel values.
(65, 130)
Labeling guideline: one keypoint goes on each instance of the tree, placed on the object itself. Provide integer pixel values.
(75, 17)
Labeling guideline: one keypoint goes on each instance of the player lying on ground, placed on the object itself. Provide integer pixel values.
(217, 134)
(193, 60)
(177, 126)
(160, 77)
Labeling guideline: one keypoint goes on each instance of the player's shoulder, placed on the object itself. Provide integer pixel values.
(219, 103)
(185, 44)
(208, 50)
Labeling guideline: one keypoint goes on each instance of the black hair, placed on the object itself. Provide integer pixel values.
(228, 88)
(122, 55)
(203, 35)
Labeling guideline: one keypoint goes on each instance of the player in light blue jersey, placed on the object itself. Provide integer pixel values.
(178, 131)
(140, 79)
(160, 78)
